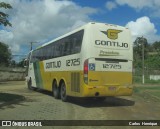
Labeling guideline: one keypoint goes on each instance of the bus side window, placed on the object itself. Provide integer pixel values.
(69, 45)
(52, 51)
(47, 52)
(37, 55)
(34, 56)
(73, 42)
(44, 53)
(61, 47)
(40, 55)
(78, 46)
(77, 42)
(67, 48)
(57, 50)
(79, 37)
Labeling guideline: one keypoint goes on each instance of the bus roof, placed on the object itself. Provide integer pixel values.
(73, 31)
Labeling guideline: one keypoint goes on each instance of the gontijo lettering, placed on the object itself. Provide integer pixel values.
(111, 43)
(54, 64)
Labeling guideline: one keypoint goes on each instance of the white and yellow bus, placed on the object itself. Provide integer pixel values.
(94, 60)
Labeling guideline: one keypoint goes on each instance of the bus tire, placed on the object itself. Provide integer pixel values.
(64, 97)
(29, 84)
(56, 91)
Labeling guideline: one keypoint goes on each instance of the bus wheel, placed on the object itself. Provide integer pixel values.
(30, 84)
(64, 97)
(55, 90)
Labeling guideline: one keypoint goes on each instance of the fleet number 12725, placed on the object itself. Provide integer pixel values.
(112, 66)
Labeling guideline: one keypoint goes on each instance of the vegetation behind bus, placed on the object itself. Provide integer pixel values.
(151, 62)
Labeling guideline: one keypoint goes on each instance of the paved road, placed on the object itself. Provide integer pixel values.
(24, 104)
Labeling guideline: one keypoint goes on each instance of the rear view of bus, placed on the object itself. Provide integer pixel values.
(108, 62)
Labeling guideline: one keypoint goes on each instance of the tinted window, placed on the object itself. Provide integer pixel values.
(66, 46)
(34, 56)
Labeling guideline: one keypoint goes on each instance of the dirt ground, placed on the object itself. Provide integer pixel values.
(19, 103)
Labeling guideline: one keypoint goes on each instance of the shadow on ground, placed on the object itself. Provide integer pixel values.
(8, 99)
(93, 102)
(3, 83)
(108, 102)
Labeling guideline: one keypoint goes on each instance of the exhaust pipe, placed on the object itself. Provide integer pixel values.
(97, 94)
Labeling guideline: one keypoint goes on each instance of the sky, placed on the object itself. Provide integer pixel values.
(39, 21)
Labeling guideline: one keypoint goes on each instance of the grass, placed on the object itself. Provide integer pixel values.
(155, 93)
(152, 90)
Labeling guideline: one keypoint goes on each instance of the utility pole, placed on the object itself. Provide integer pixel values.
(142, 42)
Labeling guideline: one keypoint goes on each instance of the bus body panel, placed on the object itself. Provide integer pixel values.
(108, 50)
(103, 91)
(109, 60)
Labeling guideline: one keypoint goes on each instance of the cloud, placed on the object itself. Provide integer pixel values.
(110, 5)
(7, 37)
(143, 27)
(41, 20)
(139, 4)
(150, 6)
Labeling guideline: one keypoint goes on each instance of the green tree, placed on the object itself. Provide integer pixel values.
(5, 54)
(156, 47)
(3, 16)
(21, 63)
(153, 62)
(13, 63)
(139, 43)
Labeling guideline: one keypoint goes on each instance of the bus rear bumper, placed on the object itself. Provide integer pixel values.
(102, 91)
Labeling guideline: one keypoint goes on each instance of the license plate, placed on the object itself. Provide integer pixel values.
(112, 88)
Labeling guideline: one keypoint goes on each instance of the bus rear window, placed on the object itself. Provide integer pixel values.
(109, 60)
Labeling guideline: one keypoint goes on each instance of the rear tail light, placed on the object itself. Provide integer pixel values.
(85, 71)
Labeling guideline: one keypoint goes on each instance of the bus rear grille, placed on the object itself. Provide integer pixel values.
(75, 81)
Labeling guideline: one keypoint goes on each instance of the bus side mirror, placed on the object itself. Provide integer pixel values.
(25, 63)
